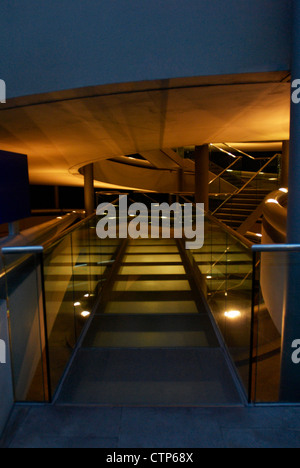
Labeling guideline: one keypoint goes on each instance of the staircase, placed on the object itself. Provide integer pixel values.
(229, 175)
(240, 206)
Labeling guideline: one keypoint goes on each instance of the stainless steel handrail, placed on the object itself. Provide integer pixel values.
(56, 239)
(223, 151)
(238, 191)
(257, 173)
(243, 240)
(225, 170)
(31, 249)
(276, 248)
(37, 249)
(241, 152)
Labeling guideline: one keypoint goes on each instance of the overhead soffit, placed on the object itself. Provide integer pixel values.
(61, 132)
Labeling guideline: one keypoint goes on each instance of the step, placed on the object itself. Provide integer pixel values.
(256, 190)
(236, 209)
(231, 223)
(248, 206)
(233, 216)
(145, 331)
(151, 307)
(241, 211)
(244, 196)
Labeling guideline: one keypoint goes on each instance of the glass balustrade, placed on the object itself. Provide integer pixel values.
(51, 294)
(271, 271)
(50, 297)
(26, 327)
(225, 265)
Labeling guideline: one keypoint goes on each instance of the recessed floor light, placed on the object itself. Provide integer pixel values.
(233, 314)
(85, 314)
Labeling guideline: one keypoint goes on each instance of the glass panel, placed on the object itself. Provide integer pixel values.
(25, 307)
(268, 307)
(84, 264)
(92, 259)
(75, 270)
(226, 267)
(60, 310)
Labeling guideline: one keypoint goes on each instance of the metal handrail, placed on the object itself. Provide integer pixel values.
(238, 191)
(226, 169)
(240, 151)
(223, 151)
(257, 173)
(243, 240)
(38, 249)
(276, 248)
(22, 249)
(56, 239)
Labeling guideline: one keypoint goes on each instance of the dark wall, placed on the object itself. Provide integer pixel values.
(65, 44)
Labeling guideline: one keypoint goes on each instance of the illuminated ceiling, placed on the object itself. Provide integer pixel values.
(61, 132)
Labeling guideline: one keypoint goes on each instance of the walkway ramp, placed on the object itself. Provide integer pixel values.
(152, 342)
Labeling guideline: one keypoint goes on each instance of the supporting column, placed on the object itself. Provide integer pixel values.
(202, 175)
(290, 371)
(284, 179)
(89, 194)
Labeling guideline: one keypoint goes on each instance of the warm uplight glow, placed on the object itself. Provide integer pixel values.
(284, 190)
(59, 217)
(86, 295)
(258, 235)
(233, 314)
(77, 304)
(85, 314)
(209, 277)
(272, 200)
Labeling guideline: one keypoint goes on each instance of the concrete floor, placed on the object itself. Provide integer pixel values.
(186, 427)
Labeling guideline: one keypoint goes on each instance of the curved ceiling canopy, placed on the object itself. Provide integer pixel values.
(62, 132)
